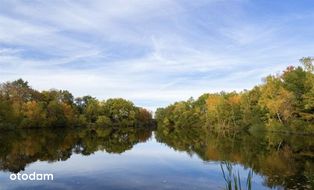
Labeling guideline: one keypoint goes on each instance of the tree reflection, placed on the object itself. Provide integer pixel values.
(283, 161)
(21, 147)
(286, 161)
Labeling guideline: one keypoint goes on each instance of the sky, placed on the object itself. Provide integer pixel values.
(152, 52)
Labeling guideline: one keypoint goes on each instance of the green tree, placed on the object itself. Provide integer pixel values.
(92, 110)
(103, 121)
(120, 111)
(55, 115)
(308, 96)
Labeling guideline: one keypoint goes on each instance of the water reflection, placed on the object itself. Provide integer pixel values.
(21, 147)
(278, 161)
(284, 160)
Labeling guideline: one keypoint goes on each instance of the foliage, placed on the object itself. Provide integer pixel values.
(23, 107)
(284, 102)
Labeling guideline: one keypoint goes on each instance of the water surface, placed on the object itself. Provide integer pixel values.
(128, 158)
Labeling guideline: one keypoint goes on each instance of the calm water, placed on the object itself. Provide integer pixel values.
(141, 159)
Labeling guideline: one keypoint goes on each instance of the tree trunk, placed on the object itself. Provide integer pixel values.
(279, 118)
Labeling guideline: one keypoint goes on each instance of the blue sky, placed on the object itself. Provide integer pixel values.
(152, 52)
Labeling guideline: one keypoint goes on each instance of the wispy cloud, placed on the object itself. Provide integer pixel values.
(152, 52)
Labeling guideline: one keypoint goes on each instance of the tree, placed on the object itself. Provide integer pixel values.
(21, 106)
(120, 111)
(82, 102)
(144, 117)
(307, 63)
(277, 100)
(92, 110)
(55, 115)
(308, 96)
(253, 114)
(213, 102)
(7, 116)
(34, 115)
(293, 80)
(103, 121)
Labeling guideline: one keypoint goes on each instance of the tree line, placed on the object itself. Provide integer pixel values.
(283, 102)
(24, 107)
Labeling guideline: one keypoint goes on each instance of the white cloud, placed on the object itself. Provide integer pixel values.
(152, 52)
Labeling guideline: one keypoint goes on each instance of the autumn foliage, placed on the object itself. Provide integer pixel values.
(23, 107)
(284, 102)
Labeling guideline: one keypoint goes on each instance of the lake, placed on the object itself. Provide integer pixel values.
(129, 158)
